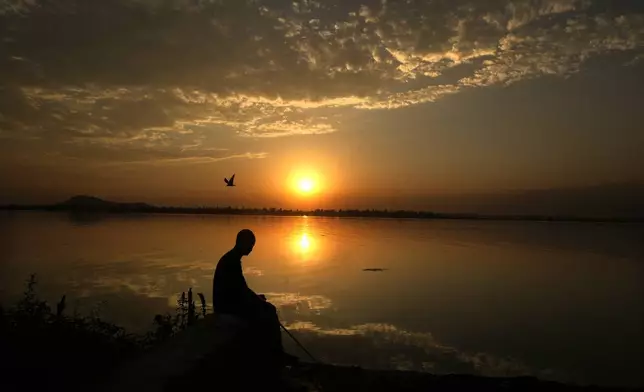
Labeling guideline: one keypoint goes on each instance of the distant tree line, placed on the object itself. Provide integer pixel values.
(142, 208)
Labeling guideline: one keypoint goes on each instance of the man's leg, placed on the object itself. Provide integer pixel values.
(272, 326)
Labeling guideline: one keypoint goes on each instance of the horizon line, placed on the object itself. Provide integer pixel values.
(106, 206)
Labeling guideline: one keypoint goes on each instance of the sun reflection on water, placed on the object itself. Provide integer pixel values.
(304, 243)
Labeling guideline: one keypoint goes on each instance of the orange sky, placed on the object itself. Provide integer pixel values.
(132, 102)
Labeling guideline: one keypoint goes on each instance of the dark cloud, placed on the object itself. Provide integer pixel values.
(114, 70)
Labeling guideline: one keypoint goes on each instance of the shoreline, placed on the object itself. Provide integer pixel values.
(76, 353)
(206, 347)
(274, 212)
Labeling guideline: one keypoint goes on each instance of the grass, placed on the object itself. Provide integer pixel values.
(44, 347)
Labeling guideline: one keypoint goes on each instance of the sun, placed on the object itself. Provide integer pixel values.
(305, 185)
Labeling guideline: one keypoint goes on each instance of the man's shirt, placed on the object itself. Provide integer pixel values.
(230, 292)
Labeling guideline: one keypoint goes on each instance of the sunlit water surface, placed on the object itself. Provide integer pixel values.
(561, 301)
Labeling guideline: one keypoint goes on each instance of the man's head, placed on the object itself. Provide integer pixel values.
(245, 242)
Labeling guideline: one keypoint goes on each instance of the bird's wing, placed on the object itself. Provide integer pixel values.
(232, 179)
(226, 180)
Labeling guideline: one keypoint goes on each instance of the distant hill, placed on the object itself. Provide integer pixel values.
(92, 203)
(84, 201)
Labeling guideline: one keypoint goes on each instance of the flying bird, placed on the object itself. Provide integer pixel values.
(230, 182)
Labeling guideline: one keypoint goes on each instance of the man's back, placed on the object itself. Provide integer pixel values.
(230, 291)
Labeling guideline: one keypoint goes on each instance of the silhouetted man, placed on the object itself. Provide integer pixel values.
(232, 295)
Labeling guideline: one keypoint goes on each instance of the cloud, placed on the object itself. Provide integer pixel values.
(373, 344)
(115, 70)
(302, 303)
(196, 159)
(105, 156)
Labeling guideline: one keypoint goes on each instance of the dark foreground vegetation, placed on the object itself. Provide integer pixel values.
(45, 349)
(89, 204)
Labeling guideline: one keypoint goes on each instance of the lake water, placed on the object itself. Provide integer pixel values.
(562, 301)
